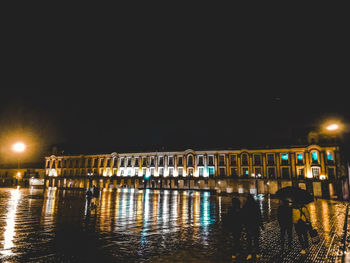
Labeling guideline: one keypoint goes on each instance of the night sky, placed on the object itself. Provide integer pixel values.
(169, 93)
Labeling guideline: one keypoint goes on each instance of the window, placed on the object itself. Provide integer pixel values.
(171, 161)
(171, 171)
(285, 173)
(315, 172)
(300, 158)
(330, 158)
(222, 172)
(271, 173)
(200, 161)
(101, 163)
(129, 162)
(300, 173)
(284, 159)
(257, 159)
(233, 160)
(181, 171)
(234, 172)
(244, 159)
(258, 172)
(190, 172)
(136, 161)
(179, 161)
(314, 157)
(144, 161)
(331, 173)
(144, 171)
(190, 160)
(136, 171)
(201, 171)
(211, 170)
(122, 164)
(88, 164)
(152, 161)
(211, 160)
(161, 171)
(271, 159)
(161, 161)
(245, 172)
(222, 160)
(152, 171)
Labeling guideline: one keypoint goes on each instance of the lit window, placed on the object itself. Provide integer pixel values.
(330, 156)
(314, 156)
(300, 157)
(201, 171)
(245, 172)
(284, 156)
(211, 170)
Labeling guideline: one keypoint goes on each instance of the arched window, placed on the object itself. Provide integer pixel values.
(245, 159)
(190, 160)
(314, 157)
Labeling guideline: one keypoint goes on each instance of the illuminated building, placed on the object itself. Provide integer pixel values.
(195, 169)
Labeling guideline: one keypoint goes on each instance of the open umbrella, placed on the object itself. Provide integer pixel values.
(296, 194)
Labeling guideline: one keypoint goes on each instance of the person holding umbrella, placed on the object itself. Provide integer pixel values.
(301, 215)
(301, 219)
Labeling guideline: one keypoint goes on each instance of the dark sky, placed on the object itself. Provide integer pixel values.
(152, 89)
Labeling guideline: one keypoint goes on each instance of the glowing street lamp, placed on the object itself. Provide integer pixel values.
(332, 127)
(18, 147)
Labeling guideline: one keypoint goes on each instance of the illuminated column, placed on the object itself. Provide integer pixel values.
(166, 171)
(239, 165)
(227, 156)
(265, 175)
(293, 166)
(307, 165)
(140, 166)
(205, 162)
(184, 162)
(277, 157)
(196, 172)
(216, 159)
(322, 162)
(176, 171)
(250, 155)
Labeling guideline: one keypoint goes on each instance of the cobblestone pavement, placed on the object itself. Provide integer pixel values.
(150, 226)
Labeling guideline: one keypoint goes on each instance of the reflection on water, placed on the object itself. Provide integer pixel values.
(129, 225)
(10, 221)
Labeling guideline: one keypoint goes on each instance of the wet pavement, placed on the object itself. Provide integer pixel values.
(148, 226)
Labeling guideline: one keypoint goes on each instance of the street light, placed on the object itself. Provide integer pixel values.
(18, 147)
(332, 127)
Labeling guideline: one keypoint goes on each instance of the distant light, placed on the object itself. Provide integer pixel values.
(322, 177)
(332, 127)
(19, 147)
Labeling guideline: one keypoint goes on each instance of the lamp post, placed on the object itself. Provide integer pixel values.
(18, 148)
(90, 178)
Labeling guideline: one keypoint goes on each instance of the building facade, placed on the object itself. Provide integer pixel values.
(195, 169)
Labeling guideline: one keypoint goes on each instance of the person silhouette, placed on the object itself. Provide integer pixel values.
(235, 225)
(252, 221)
(285, 221)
